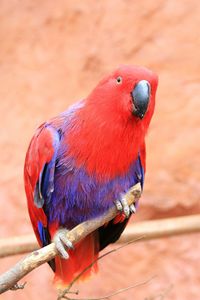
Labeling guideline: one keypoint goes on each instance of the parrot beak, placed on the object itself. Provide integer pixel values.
(140, 96)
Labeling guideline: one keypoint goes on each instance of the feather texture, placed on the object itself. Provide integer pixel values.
(81, 161)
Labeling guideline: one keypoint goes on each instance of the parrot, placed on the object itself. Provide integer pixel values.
(82, 162)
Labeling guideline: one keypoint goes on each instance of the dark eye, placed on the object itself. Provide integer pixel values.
(119, 80)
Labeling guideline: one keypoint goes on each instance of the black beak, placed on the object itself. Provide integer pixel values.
(140, 96)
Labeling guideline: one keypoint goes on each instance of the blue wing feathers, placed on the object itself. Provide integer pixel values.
(42, 234)
(45, 185)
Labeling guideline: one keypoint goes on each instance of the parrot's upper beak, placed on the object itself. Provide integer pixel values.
(140, 96)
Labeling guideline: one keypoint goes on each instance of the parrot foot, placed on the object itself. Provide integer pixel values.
(122, 206)
(62, 242)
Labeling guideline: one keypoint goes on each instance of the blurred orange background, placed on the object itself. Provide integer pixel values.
(53, 53)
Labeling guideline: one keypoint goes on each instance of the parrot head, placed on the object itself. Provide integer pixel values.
(128, 92)
(113, 121)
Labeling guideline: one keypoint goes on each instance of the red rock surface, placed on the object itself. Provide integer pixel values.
(52, 53)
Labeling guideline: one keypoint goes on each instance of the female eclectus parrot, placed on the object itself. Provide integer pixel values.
(81, 163)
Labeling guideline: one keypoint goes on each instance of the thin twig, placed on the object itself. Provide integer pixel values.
(18, 286)
(100, 257)
(161, 295)
(39, 257)
(67, 290)
(114, 293)
(152, 229)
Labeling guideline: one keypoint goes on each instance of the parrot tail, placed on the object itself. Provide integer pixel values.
(84, 253)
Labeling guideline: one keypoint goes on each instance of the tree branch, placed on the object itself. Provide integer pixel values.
(18, 245)
(153, 229)
(39, 257)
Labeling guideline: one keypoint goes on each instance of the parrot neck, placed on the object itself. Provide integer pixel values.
(104, 145)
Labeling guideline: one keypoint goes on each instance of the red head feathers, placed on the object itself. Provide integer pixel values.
(114, 120)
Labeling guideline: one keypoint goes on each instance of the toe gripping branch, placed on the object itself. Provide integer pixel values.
(126, 205)
(62, 242)
(39, 257)
(123, 206)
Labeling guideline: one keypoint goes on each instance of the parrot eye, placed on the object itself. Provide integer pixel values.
(119, 80)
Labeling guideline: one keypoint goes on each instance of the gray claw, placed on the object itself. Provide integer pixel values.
(133, 208)
(118, 205)
(122, 205)
(62, 242)
(126, 208)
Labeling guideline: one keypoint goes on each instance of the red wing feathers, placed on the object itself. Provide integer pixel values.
(41, 152)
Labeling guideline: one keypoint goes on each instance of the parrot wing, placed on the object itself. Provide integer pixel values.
(39, 178)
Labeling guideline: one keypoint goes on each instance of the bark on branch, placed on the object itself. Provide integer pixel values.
(39, 257)
(153, 229)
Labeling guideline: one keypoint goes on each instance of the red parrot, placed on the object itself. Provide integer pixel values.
(81, 163)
